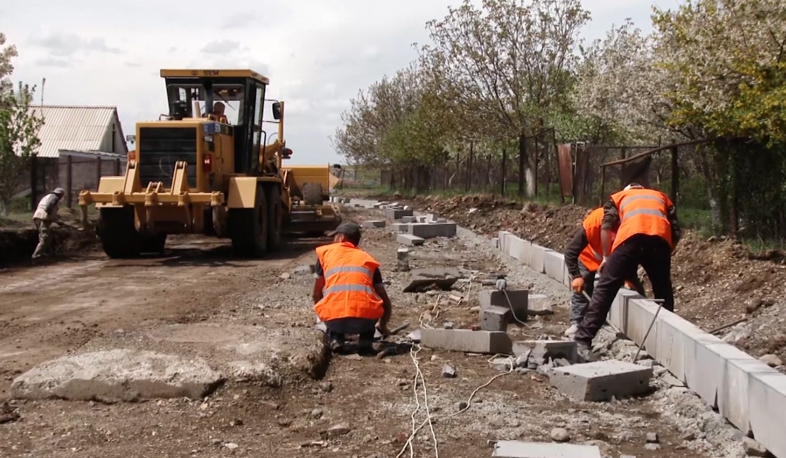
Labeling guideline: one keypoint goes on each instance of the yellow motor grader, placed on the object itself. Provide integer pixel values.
(195, 171)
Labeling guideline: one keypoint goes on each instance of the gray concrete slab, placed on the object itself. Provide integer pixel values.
(374, 223)
(494, 318)
(466, 340)
(411, 240)
(600, 381)
(408, 219)
(441, 277)
(767, 409)
(517, 449)
(704, 368)
(398, 227)
(537, 258)
(432, 230)
(554, 265)
(118, 375)
(504, 241)
(519, 299)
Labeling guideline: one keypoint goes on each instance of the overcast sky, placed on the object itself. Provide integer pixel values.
(317, 54)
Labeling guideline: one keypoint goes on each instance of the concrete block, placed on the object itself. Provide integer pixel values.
(516, 449)
(519, 300)
(641, 313)
(734, 398)
(619, 308)
(408, 219)
(704, 368)
(522, 251)
(398, 227)
(554, 265)
(494, 319)
(411, 240)
(429, 231)
(420, 219)
(466, 340)
(379, 223)
(539, 304)
(495, 243)
(504, 240)
(553, 349)
(672, 334)
(537, 258)
(767, 408)
(397, 213)
(600, 381)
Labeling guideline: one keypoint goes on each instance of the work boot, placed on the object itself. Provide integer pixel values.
(366, 345)
(572, 330)
(336, 343)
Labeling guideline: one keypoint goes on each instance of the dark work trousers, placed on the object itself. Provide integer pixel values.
(579, 303)
(653, 253)
(365, 328)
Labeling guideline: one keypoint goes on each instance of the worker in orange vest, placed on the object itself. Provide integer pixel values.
(645, 221)
(348, 293)
(582, 258)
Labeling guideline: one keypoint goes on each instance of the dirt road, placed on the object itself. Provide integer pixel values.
(90, 303)
(51, 310)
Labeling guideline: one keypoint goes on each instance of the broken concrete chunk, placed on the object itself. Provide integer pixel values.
(516, 449)
(539, 304)
(753, 448)
(248, 371)
(600, 381)
(448, 371)
(652, 438)
(466, 340)
(117, 375)
(560, 435)
(411, 240)
(494, 319)
(374, 223)
(424, 279)
(547, 349)
(518, 300)
(414, 335)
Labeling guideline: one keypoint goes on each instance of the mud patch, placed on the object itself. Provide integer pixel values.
(17, 245)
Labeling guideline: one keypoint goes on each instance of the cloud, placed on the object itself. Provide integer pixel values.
(54, 62)
(65, 44)
(221, 47)
(241, 20)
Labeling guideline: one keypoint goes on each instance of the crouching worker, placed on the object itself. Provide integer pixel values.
(582, 258)
(348, 293)
(43, 217)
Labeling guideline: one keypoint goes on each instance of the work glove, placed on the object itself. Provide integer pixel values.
(578, 285)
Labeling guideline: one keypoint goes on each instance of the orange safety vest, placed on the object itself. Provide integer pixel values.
(592, 254)
(642, 211)
(349, 283)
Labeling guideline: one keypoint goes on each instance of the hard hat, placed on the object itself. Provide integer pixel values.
(59, 191)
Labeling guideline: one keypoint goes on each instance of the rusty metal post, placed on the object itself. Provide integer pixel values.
(98, 171)
(675, 175)
(504, 170)
(69, 186)
(602, 185)
(33, 181)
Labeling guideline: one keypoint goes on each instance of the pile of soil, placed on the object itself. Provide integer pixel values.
(717, 281)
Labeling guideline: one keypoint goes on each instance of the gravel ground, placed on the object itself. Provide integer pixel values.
(360, 407)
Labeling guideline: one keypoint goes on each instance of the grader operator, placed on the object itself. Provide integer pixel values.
(197, 171)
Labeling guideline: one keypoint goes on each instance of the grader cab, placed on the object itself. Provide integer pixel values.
(196, 171)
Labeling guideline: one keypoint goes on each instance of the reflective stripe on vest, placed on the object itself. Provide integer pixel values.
(642, 211)
(349, 290)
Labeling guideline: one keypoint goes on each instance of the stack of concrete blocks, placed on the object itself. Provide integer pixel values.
(495, 310)
(750, 394)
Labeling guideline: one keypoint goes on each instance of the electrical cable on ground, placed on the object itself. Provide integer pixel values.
(419, 376)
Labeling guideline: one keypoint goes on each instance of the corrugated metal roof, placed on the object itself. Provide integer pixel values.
(69, 152)
(73, 128)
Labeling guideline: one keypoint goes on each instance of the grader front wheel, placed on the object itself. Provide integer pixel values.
(117, 233)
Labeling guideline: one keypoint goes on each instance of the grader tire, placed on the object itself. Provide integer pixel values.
(275, 218)
(117, 233)
(312, 194)
(248, 228)
(153, 244)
